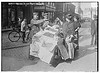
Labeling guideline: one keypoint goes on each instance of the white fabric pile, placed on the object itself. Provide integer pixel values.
(43, 44)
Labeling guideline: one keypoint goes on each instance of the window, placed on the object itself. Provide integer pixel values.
(48, 3)
(52, 4)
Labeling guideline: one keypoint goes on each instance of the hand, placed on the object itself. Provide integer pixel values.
(68, 39)
(45, 19)
(77, 29)
(71, 36)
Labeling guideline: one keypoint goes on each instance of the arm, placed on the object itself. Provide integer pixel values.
(77, 26)
(92, 24)
(36, 22)
(77, 29)
(39, 21)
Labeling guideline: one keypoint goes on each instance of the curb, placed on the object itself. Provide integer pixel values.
(16, 47)
(6, 30)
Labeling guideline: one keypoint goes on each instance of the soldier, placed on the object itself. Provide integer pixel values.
(68, 31)
(68, 27)
(45, 23)
(64, 49)
(94, 31)
(65, 44)
(35, 23)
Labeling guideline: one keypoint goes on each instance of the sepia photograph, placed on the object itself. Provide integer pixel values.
(50, 36)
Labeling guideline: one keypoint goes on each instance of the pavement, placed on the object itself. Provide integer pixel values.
(85, 64)
(7, 44)
(15, 56)
(86, 59)
(6, 30)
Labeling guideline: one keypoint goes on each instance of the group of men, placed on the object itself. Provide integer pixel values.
(68, 35)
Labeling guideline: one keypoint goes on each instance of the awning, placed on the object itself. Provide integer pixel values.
(43, 8)
(50, 9)
(39, 7)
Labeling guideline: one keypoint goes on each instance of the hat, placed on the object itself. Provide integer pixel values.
(45, 14)
(35, 13)
(68, 16)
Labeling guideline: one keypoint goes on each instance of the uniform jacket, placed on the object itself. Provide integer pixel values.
(68, 28)
(35, 23)
(94, 27)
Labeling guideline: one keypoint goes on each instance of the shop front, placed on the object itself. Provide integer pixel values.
(45, 8)
(14, 12)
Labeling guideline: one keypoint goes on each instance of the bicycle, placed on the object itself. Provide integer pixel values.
(15, 35)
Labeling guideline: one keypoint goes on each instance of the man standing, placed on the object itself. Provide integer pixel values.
(46, 23)
(64, 49)
(35, 23)
(94, 31)
(23, 25)
(68, 31)
(65, 44)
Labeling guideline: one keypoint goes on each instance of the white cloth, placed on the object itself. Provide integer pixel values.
(42, 45)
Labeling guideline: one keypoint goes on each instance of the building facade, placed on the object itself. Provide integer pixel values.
(64, 8)
(12, 11)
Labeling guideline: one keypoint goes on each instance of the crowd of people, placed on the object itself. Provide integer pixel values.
(67, 33)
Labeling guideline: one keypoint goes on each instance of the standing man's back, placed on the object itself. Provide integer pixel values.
(94, 31)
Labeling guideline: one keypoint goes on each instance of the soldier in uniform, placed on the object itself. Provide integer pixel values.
(64, 49)
(68, 27)
(94, 31)
(68, 32)
(45, 23)
(34, 24)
